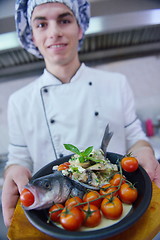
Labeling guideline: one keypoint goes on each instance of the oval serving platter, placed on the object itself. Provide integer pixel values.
(38, 218)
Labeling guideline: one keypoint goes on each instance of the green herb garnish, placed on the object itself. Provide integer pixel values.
(83, 154)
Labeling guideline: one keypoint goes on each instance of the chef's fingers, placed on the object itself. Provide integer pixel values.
(157, 175)
(10, 197)
(16, 178)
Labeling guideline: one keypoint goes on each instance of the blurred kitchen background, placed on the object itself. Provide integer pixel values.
(124, 36)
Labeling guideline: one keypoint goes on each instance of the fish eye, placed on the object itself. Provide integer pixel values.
(47, 185)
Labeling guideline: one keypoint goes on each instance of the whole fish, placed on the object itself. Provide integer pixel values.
(53, 188)
(56, 188)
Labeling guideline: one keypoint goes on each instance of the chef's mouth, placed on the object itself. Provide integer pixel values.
(57, 46)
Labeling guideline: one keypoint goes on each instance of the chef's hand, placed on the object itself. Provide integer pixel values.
(16, 177)
(143, 151)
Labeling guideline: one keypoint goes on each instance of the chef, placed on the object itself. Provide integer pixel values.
(69, 102)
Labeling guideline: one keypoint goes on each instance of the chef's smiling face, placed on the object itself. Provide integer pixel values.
(56, 33)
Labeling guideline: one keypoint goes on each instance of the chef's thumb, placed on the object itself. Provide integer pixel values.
(23, 180)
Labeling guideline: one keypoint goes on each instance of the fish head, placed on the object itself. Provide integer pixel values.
(49, 189)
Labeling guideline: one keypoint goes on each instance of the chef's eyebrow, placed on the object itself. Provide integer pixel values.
(65, 15)
(59, 17)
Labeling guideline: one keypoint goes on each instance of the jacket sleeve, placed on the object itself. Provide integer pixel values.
(133, 125)
(18, 150)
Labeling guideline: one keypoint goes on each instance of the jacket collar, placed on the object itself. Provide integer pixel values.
(48, 79)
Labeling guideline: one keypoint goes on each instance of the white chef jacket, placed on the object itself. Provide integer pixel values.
(45, 114)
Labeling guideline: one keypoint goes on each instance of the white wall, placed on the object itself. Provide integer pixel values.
(7, 8)
(143, 75)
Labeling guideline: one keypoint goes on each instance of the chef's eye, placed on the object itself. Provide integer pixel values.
(41, 25)
(65, 21)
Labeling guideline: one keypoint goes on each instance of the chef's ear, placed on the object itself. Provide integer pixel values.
(34, 41)
(80, 34)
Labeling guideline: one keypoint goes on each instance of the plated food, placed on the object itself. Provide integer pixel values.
(142, 183)
(90, 167)
(85, 171)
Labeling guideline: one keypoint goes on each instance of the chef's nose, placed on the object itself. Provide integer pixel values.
(54, 31)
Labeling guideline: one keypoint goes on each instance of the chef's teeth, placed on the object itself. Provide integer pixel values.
(57, 46)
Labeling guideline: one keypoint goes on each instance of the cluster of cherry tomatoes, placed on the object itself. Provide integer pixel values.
(108, 202)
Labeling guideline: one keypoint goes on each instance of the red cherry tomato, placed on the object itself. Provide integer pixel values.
(128, 193)
(73, 202)
(108, 190)
(63, 166)
(92, 215)
(129, 164)
(71, 218)
(93, 198)
(116, 179)
(26, 197)
(112, 208)
(55, 211)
